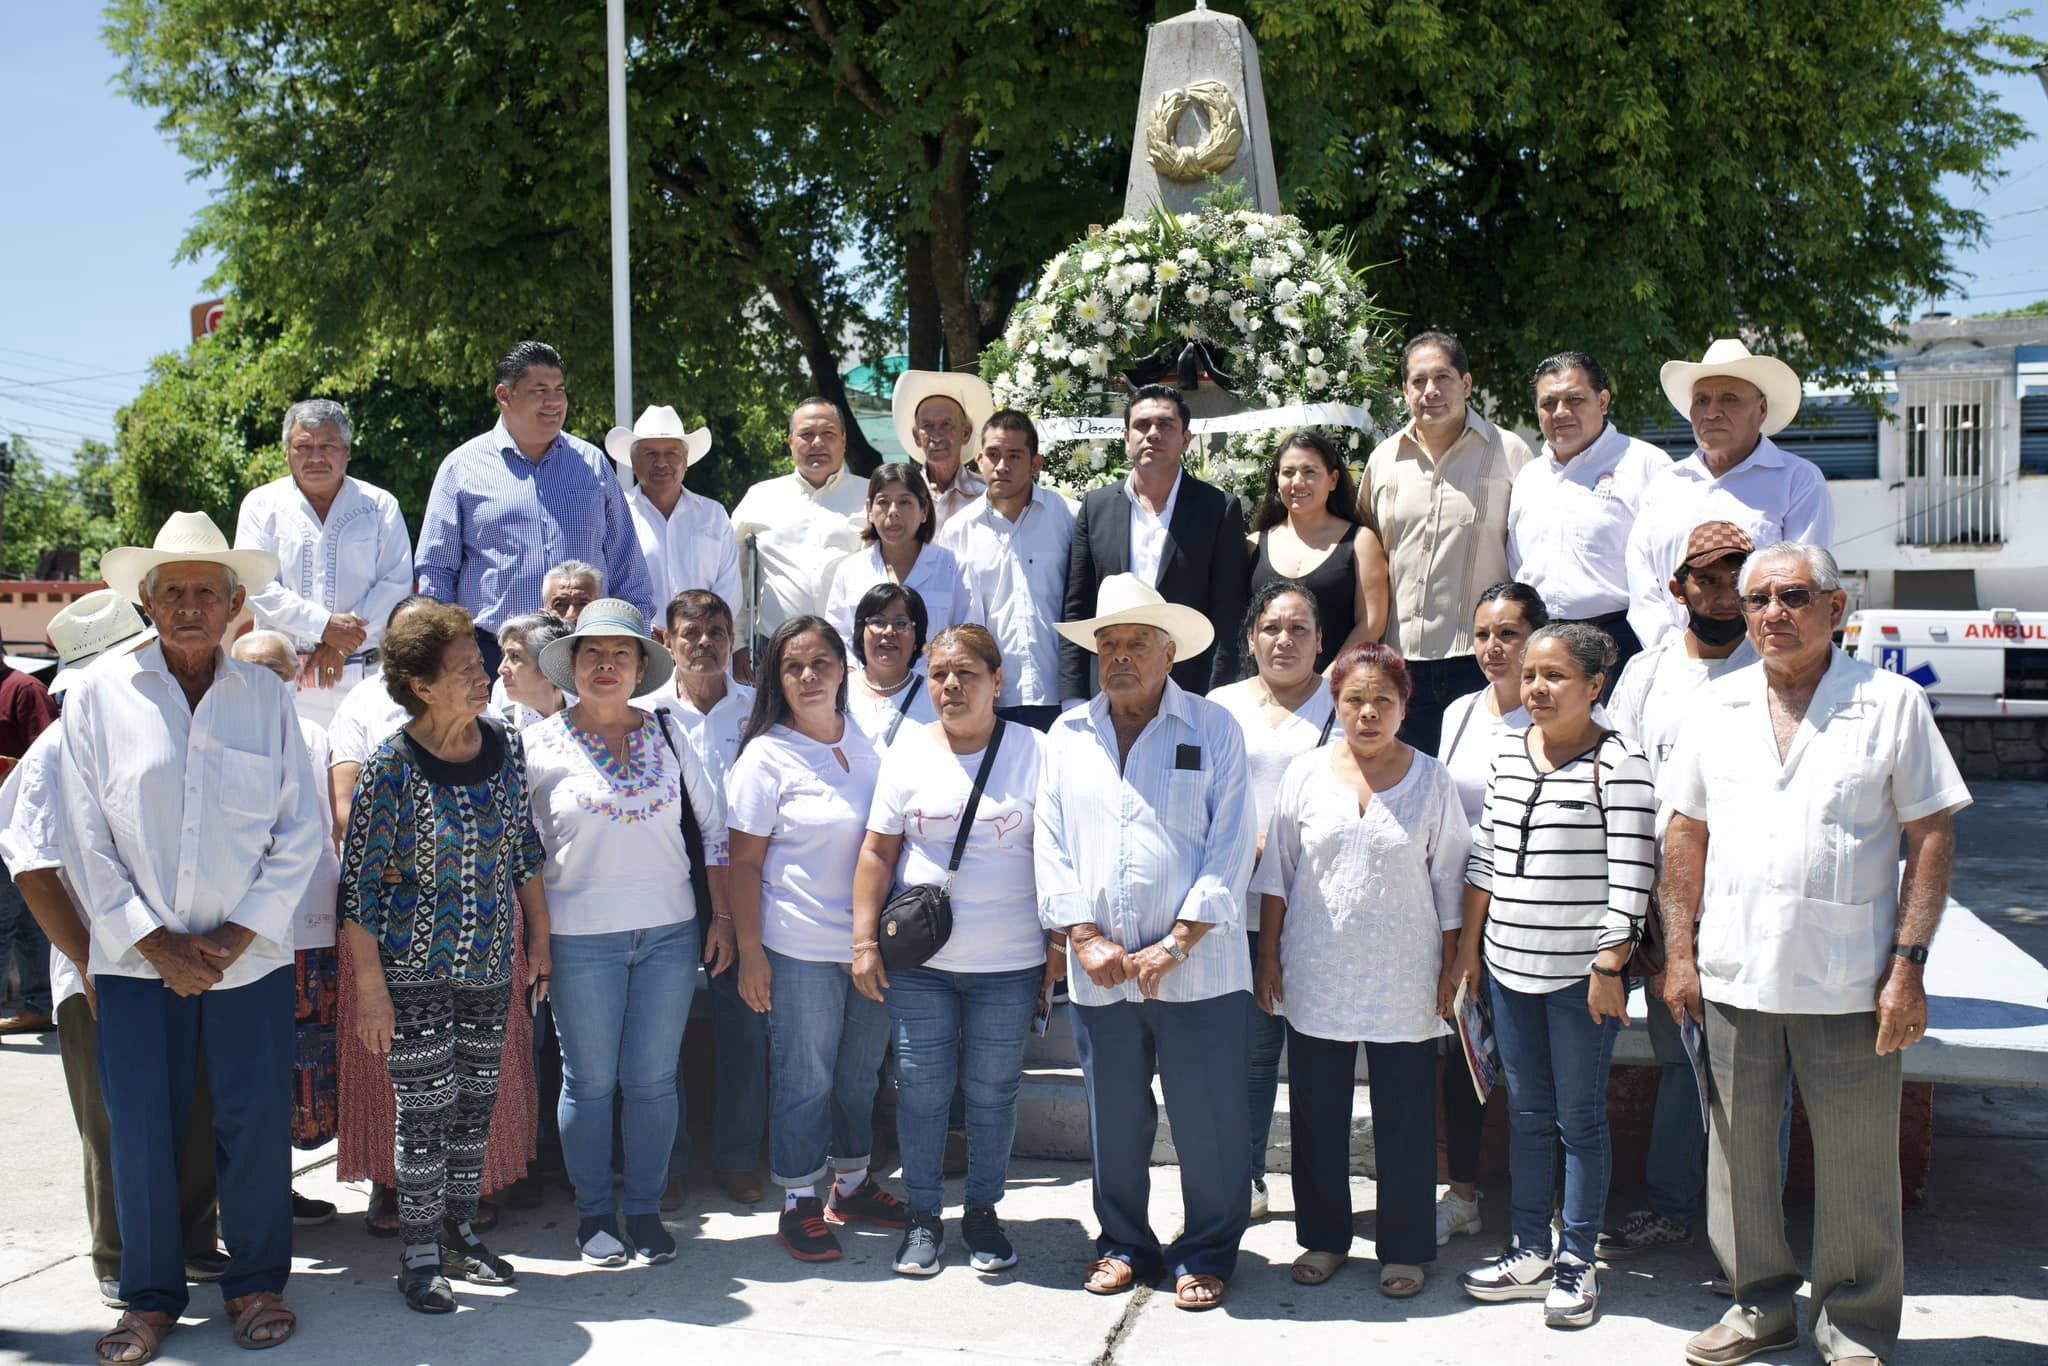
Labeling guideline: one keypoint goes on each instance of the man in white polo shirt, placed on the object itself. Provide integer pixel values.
(687, 538)
(795, 528)
(1791, 787)
(1571, 509)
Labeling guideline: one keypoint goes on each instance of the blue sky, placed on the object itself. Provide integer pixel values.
(101, 203)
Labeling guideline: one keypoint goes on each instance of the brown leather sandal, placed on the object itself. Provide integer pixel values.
(1109, 1276)
(254, 1312)
(144, 1330)
(1198, 1292)
(1313, 1268)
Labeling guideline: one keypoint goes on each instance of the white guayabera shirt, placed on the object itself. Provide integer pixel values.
(358, 561)
(693, 547)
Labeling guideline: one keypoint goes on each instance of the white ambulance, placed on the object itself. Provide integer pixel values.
(1974, 663)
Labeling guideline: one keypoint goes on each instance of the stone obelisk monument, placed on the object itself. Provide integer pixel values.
(1201, 113)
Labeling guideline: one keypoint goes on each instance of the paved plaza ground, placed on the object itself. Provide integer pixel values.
(1976, 1255)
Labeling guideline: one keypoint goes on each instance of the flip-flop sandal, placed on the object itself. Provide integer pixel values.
(1184, 1299)
(1313, 1268)
(134, 1331)
(263, 1309)
(1392, 1272)
(1110, 1276)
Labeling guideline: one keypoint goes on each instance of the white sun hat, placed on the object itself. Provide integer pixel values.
(186, 538)
(606, 617)
(657, 422)
(915, 386)
(1727, 356)
(1127, 600)
(92, 628)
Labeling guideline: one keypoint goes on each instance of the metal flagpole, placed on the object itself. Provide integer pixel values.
(622, 281)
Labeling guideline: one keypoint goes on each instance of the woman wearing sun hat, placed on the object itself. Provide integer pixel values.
(609, 782)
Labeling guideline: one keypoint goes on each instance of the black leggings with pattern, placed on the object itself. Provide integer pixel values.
(447, 1046)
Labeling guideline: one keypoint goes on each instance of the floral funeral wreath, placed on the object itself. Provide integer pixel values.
(1254, 303)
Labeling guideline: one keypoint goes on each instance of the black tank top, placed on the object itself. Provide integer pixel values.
(1333, 584)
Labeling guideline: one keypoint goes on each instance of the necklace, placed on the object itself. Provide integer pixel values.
(889, 691)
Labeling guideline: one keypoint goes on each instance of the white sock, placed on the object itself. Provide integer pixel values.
(796, 1193)
(849, 1182)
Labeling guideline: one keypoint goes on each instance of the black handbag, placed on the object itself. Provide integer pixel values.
(693, 835)
(918, 920)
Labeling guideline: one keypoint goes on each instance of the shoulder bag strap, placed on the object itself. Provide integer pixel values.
(693, 833)
(909, 696)
(988, 763)
(1324, 739)
(1463, 722)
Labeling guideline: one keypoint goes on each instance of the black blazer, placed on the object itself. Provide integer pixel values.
(1205, 566)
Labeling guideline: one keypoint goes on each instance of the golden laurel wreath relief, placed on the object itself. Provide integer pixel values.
(1216, 150)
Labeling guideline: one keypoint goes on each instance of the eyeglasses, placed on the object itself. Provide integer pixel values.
(1792, 599)
(897, 624)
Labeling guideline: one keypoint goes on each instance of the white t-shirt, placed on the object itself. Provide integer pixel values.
(921, 794)
(613, 832)
(31, 808)
(1269, 749)
(366, 718)
(876, 716)
(791, 790)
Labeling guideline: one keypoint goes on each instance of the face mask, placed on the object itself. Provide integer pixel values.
(1715, 631)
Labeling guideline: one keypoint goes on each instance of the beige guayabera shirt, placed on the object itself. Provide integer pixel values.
(1445, 527)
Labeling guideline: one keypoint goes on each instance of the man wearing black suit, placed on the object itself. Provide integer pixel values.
(1184, 537)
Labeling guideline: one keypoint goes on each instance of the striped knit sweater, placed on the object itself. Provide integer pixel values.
(1568, 860)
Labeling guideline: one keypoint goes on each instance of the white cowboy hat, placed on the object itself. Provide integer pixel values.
(95, 627)
(186, 538)
(657, 422)
(1127, 600)
(1727, 356)
(606, 617)
(915, 386)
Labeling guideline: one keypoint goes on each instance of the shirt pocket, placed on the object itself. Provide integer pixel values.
(248, 784)
(1187, 806)
(1834, 945)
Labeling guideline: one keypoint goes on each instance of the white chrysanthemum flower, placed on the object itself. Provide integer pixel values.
(1092, 309)
(1310, 289)
(1239, 317)
(1079, 357)
(1273, 370)
(1062, 383)
(1141, 307)
(1220, 298)
(1190, 329)
(1198, 294)
(1188, 256)
(1169, 272)
(1286, 316)
(1098, 457)
(1091, 261)
(1315, 355)
(1119, 255)
(1284, 290)
(1098, 362)
(1315, 379)
(1116, 282)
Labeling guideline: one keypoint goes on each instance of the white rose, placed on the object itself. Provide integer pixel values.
(1283, 290)
(1189, 256)
(1312, 290)
(1254, 232)
(1079, 357)
(1091, 261)
(1272, 370)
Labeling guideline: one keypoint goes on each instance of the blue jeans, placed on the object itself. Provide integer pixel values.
(23, 941)
(1556, 1061)
(151, 1041)
(1197, 1050)
(969, 1028)
(825, 1047)
(739, 1116)
(1262, 1072)
(621, 1001)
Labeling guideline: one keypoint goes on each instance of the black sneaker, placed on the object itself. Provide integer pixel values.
(987, 1247)
(869, 1204)
(598, 1244)
(1643, 1231)
(307, 1211)
(464, 1255)
(804, 1231)
(651, 1243)
(924, 1243)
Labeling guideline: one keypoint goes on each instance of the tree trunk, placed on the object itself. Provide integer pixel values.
(952, 249)
(921, 296)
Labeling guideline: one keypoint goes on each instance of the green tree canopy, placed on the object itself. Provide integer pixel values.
(413, 185)
(53, 509)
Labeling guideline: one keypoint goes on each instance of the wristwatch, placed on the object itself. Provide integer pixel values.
(1915, 954)
(1173, 949)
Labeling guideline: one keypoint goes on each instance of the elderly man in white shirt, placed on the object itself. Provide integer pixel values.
(192, 827)
(1790, 790)
(795, 528)
(344, 556)
(937, 415)
(1736, 403)
(1570, 510)
(1144, 846)
(686, 537)
(1012, 545)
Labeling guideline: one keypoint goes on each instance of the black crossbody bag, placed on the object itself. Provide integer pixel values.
(693, 833)
(918, 920)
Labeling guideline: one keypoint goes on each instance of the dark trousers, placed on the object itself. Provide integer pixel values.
(1038, 718)
(23, 942)
(547, 1085)
(487, 644)
(1464, 1117)
(78, 1043)
(151, 1043)
(1199, 1051)
(739, 1116)
(1402, 1081)
(1438, 683)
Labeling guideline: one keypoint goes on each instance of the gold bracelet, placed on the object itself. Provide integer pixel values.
(867, 944)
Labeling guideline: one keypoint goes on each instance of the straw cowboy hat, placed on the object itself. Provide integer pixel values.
(187, 538)
(1727, 356)
(915, 386)
(657, 422)
(606, 617)
(1127, 600)
(92, 629)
